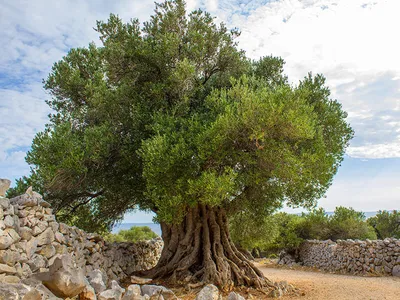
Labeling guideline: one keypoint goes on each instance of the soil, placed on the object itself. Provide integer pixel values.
(326, 286)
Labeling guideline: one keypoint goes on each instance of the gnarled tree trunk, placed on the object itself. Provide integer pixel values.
(200, 250)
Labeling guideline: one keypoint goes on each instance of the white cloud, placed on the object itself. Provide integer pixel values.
(351, 42)
(211, 5)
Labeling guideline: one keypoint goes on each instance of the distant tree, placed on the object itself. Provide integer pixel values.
(171, 117)
(134, 234)
(314, 225)
(288, 237)
(22, 184)
(249, 231)
(386, 224)
(346, 223)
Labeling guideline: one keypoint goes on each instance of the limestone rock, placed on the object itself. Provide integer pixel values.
(4, 203)
(209, 292)
(396, 271)
(9, 257)
(115, 293)
(8, 237)
(140, 280)
(9, 221)
(63, 279)
(22, 291)
(44, 203)
(88, 292)
(59, 237)
(36, 285)
(4, 186)
(36, 262)
(133, 293)
(154, 290)
(33, 295)
(96, 281)
(24, 200)
(31, 247)
(25, 233)
(11, 279)
(277, 293)
(45, 238)
(234, 296)
(9, 292)
(48, 251)
(110, 295)
(7, 269)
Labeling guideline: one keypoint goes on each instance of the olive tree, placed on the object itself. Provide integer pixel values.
(172, 117)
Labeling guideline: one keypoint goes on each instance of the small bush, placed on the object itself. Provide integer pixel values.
(134, 234)
(386, 224)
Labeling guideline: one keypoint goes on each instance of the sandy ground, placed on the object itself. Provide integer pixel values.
(324, 286)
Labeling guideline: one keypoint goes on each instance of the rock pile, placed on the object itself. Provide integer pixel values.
(31, 240)
(352, 256)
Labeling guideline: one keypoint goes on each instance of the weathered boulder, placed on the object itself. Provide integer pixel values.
(157, 290)
(36, 285)
(46, 237)
(7, 269)
(8, 237)
(88, 292)
(133, 292)
(115, 293)
(209, 292)
(63, 279)
(234, 296)
(4, 186)
(396, 271)
(140, 280)
(24, 200)
(96, 281)
(33, 290)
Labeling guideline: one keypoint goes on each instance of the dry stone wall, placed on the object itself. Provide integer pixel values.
(353, 256)
(31, 239)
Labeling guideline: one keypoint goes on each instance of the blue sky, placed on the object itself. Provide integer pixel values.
(353, 43)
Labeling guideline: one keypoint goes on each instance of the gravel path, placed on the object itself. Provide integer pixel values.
(326, 286)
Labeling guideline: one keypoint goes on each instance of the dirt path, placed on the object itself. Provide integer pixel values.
(326, 286)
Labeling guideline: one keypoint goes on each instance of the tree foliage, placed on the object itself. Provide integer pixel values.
(172, 117)
(133, 235)
(386, 224)
(288, 231)
(346, 223)
(171, 114)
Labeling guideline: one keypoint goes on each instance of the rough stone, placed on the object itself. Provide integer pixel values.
(209, 292)
(8, 237)
(88, 292)
(9, 257)
(31, 247)
(115, 293)
(48, 251)
(36, 262)
(25, 233)
(133, 292)
(96, 281)
(4, 203)
(234, 296)
(396, 271)
(63, 279)
(45, 238)
(7, 269)
(4, 186)
(9, 221)
(140, 280)
(24, 200)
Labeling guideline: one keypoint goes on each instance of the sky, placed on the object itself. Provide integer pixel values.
(353, 43)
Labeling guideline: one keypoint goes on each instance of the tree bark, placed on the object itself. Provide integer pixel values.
(199, 250)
